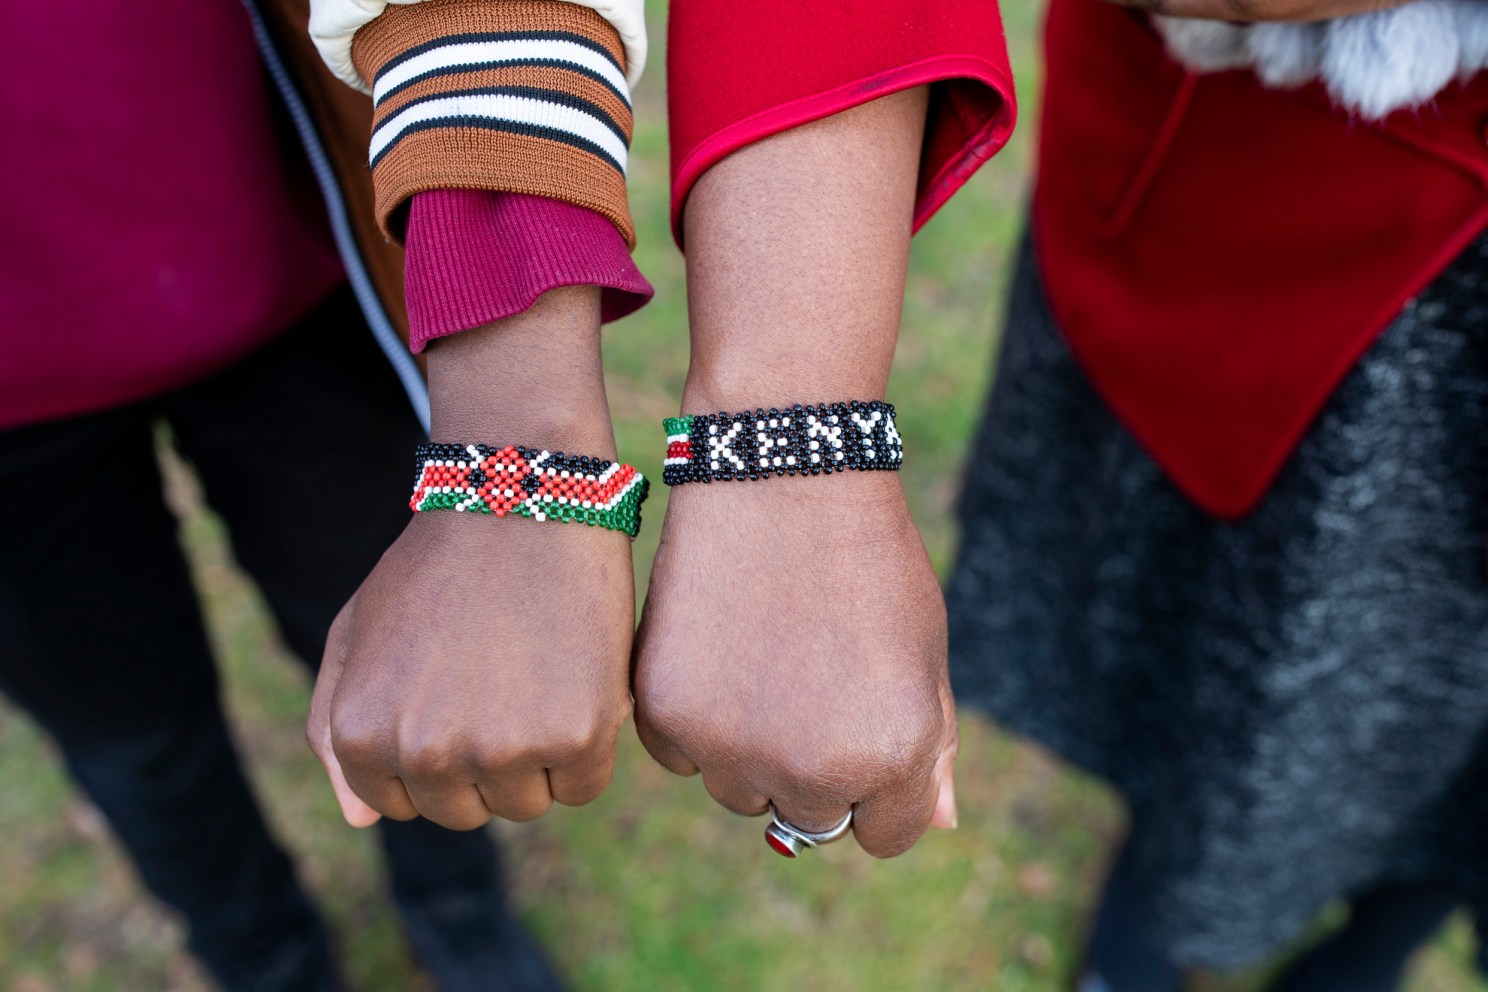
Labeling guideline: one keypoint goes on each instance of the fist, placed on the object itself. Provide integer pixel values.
(793, 649)
(481, 670)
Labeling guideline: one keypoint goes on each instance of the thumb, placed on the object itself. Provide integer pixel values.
(945, 803)
(945, 767)
(318, 727)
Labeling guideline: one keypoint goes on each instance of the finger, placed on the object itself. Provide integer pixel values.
(888, 823)
(660, 747)
(518, 797)
(814, 814)
(578, 783)
(945, 816)
(380, 789)
(353, 809)
(454, 807)
(318, 726)
(734, 795)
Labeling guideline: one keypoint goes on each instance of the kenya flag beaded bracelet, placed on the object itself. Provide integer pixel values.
(479, 478)
(798, 440)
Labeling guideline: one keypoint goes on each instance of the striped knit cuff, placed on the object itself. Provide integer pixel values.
(518, 96)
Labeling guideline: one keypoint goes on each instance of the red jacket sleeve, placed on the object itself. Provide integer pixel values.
(739, 72)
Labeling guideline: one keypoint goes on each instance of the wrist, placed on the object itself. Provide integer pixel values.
(734, 387)
(533, 379)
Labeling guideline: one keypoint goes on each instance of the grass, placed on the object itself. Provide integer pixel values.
(652, 888)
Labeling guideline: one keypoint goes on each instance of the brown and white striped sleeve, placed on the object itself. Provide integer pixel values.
(522, 96)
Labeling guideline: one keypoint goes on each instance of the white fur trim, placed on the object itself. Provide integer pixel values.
(1204, 46)
(1372, 64)
(1286, 54)
(1383, 61)
(334, 23)
(1472, 35)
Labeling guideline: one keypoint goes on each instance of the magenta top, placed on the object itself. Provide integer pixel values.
(158, 229)
(475, 257)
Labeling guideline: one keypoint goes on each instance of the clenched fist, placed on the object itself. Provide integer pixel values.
(481, 670)
(793, 649)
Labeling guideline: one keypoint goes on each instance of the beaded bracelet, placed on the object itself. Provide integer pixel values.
(479, 478)
(799, 440)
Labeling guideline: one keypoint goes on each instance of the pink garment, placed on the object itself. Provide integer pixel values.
(153, 230)
(158, 227)
(475, 257)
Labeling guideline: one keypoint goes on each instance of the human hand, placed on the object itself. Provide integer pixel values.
(793, 648)
(482, 668)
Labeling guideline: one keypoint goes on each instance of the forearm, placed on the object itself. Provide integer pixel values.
(798, 248)
(533, 379)
(793, 645)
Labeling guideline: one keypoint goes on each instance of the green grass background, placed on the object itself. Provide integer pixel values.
(653, 888)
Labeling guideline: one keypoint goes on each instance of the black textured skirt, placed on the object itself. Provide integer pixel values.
(1293, 704)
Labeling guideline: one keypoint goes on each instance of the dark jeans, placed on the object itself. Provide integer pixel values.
(305, 450)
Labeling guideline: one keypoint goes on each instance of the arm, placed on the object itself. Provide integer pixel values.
(482, 668)
(793, 646)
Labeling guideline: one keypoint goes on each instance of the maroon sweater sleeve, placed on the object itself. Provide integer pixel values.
(739, 72)
(476, 256)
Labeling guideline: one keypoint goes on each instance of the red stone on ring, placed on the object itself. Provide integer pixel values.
(780, 846)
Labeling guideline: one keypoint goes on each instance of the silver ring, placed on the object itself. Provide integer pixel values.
(789, 840)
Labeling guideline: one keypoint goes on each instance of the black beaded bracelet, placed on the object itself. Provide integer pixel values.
(797, 440)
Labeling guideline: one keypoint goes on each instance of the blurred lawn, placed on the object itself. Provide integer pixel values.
(653, 888)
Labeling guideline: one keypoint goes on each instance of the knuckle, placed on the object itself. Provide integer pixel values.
(357, 744)
(498, 758)
(426, 760)
(663, 704)
(813, 768)
(568, 743)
